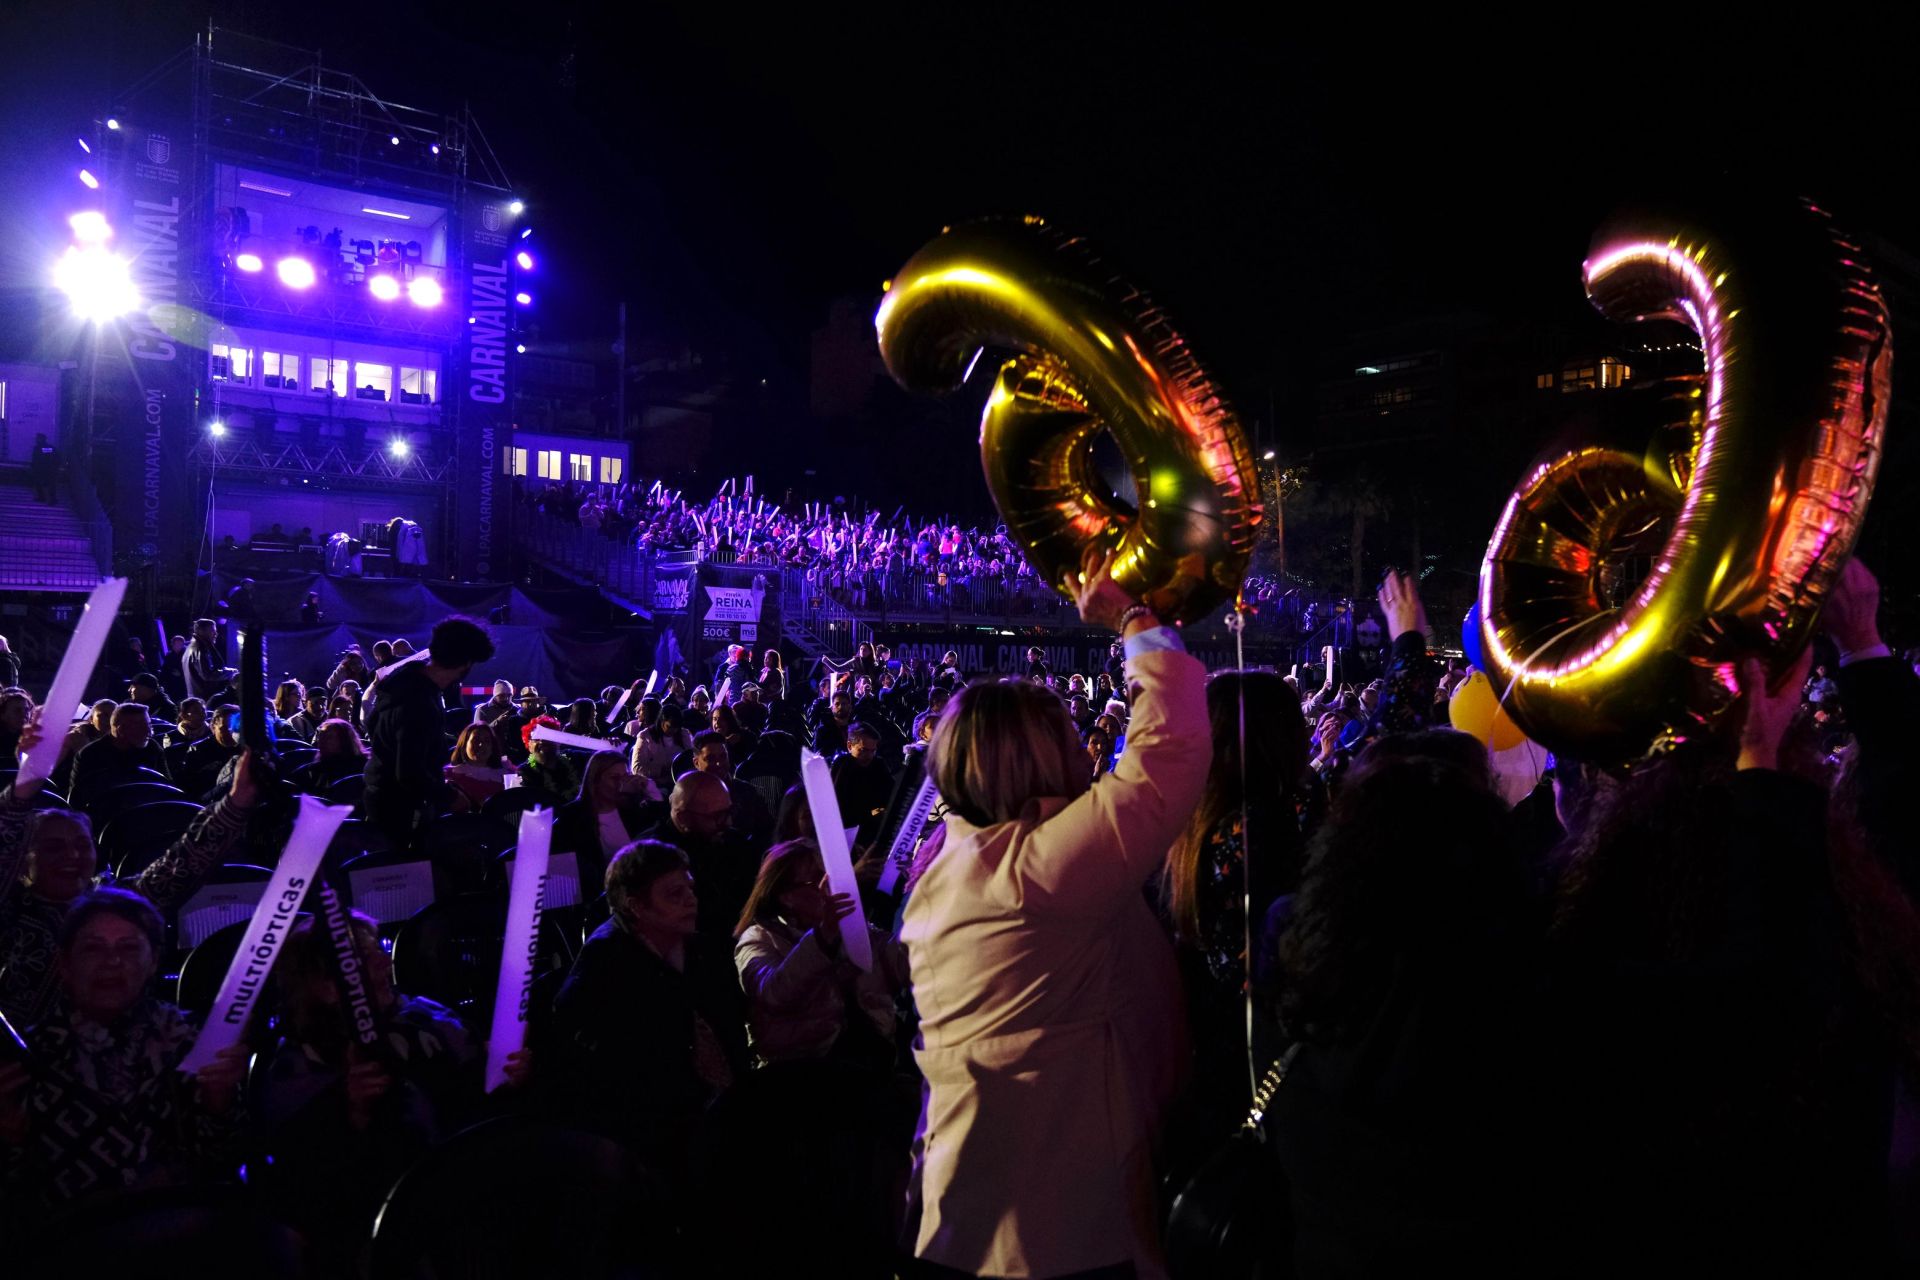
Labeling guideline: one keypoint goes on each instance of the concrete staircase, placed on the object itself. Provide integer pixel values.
(43, 546)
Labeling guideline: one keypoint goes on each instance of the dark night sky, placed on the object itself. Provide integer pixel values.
(1275, 186)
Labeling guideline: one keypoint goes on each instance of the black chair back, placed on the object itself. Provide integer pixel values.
(211, 1233)
(127, 795)
(148, 828)
(509, 805)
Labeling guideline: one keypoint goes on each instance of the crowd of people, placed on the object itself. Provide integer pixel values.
(865, 560)
(1669, 1010)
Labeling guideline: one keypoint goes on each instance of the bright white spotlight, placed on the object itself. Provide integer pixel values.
(520, 347)
(112, 123)
(248, 261)
(516, 207)
(525, 260)
(90, 227)
(394, 139)
(83, 145)
(98, 283)
(524, 299)
(92, 183)
(295, 273)
(217, 429)
(1268, 455)
(435, 148)
(525, 232)
(398, 448)
(385, 288)
(424, 292)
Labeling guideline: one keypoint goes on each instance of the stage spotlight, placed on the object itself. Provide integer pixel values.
(217, 429)
(112, 123)
(424, 292)
(399, 448)
(385, 288)
(520, 348)
(83, 145)
(516, 207)
(295, 273)
(394, 139)
(1268, 455)
(90, 227)
(92, 183)
(525, 232)
(525, 260)
(249, 262)
(98, 283)
(435, 148)
(524, 299)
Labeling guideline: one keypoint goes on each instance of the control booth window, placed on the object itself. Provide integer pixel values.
(610, 470)
(327, 376)
(515, 461)
(419, 386)
(232, 364)
(373, 381)
(549, 464)
(278, 369)
(580, 467)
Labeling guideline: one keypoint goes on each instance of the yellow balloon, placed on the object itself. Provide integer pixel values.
(1475, 710)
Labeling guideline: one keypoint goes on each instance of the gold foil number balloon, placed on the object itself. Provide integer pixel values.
(1765, 484)
(1093, 355)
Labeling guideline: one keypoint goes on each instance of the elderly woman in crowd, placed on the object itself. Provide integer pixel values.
(650, 1024)
(105, 1107)
(1048, 994)
(801, 988)
(47, 861)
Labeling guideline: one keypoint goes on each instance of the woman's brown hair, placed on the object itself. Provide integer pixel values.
(1001, 744)
(467, 735)
(778, 872)
(1276, 757)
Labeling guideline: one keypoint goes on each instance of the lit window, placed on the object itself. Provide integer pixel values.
(326, 375)
(1543, 382)
(549, 464)
(515, 461)
(372, 381)
(232, 364)
(1614, 374)
(580, 467)
(609, 471)
(278, 369)
(418, 386)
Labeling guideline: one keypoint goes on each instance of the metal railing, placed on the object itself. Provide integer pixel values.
(589, 555)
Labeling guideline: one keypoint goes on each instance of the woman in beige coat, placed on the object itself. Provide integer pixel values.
(1052, 1031)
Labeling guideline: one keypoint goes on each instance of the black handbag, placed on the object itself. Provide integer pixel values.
(1233, 1218)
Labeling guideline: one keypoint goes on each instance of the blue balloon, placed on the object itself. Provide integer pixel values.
(1470, 639)
(1353, 732)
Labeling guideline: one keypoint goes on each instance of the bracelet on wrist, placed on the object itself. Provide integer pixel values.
(1131, 612)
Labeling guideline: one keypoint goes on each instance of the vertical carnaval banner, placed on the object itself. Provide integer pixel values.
(483, 421)
(151, 206)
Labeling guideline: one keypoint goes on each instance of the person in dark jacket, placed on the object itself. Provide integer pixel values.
(144, 688)
(861, 781)
(406, 730)
(116, 758)
(611, 811)
(650, 1025)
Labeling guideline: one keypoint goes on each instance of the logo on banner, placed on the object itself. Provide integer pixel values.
(159, 148)
(490, 217)
(733, 604)
(670, 594)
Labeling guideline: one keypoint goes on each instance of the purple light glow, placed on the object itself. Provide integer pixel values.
(249, 262)
(90, 227)
(524, 299)
(525, 260)
(92, 183)
(295, 273)
(424, 292)
(83, 145)
(385, 288)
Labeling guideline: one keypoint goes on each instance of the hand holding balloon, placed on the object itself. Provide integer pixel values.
(1852, 609)
(1770, 709)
